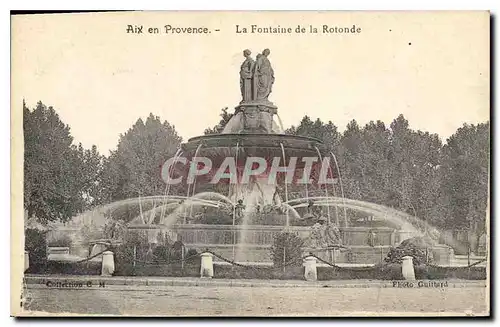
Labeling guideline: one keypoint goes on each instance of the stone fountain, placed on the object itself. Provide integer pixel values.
(252, 138)
(253, 133)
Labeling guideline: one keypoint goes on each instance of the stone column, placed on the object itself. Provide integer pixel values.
(207, 265)
(310, 271)
(407, 268)
(108, 264)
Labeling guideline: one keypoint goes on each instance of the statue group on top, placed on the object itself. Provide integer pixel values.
(256, 77)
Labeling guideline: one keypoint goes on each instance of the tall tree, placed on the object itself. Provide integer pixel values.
(327, 133)
(373, 160)
(465, 169)
(351, 162)
(134, 168)
(88, 168)
(56, 176)
(329, 136)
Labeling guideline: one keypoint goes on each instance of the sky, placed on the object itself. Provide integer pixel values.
(431, 67)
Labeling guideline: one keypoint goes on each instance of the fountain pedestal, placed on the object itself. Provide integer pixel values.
(256, 117)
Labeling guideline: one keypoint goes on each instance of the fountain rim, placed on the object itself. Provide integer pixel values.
(258, 135)
(271, 141)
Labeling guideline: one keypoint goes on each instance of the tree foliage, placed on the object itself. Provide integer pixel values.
(217, 129)
(60, 178)
(412, 171)
(445, 185)
(134, 168)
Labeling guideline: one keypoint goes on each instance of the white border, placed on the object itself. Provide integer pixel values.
(492, 5)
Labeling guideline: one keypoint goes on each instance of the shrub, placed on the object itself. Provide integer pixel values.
(124, 260)
(417, 247)
(36, 244)
(160, 260)
(71, 268)
(161, 253)
(287, 249)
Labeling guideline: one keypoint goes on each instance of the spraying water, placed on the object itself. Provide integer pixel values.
(326, 188)
(280, 122)
(394, 216)
(341, 186)
(286, 187)
(177, 155)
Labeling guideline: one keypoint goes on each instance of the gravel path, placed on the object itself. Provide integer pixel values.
(259, 301)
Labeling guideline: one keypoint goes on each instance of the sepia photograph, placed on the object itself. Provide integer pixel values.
(218, 164)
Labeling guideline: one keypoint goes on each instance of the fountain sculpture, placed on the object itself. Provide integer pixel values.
(252, 138)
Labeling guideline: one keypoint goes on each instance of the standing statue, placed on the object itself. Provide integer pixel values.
(263, 76)
(238, 210)
(246, 72)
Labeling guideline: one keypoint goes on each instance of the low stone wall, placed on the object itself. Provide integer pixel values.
(258, 240)
(261, 235)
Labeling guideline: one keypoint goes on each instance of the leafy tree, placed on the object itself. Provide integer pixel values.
(89, 168)
(465, 175)
(217, 129)
(327, 133)
(414, 178)
(426, 178)
(58, 176)
(373, 151)
(134, 168)
(330, 137)
(351, 161)
(411, 170)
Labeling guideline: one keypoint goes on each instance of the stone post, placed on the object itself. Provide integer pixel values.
(207, 265)
(310, 271)
(108, 264)
(407, 268)
(26, 260)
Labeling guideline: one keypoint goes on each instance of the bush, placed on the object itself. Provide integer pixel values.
(287, 249)
(229, 272)
(70, 268)
(417, 247)
(161, 253)
(160, 260)
(36, 244)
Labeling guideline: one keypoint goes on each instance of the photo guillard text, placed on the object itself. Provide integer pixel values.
(419, 284)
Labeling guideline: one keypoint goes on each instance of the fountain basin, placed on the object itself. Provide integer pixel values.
(261, 145)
